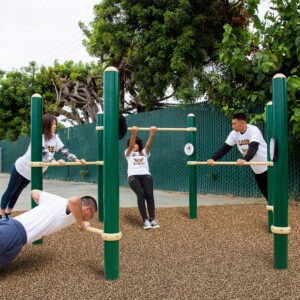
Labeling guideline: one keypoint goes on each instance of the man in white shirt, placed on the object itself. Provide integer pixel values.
(52, 214)
(252, 146)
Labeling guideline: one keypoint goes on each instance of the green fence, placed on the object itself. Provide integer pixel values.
(168, 161)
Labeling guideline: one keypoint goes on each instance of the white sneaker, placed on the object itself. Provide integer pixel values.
(147, 225)
(154, 224)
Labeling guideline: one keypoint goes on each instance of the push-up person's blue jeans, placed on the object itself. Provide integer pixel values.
(12, 239)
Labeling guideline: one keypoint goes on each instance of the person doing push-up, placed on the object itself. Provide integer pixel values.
(52, 214)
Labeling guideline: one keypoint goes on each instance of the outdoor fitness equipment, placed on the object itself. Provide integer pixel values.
(277, 123)
(108, 183)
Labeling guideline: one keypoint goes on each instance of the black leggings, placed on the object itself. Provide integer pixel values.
(262, 182)
(142, 185)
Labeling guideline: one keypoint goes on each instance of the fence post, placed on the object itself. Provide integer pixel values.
(192, 169)
(270, 126)
(100, 168)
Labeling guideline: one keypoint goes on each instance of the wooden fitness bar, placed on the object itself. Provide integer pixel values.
(57, 164)
(105, 236)
(232, 163)
(158, 129)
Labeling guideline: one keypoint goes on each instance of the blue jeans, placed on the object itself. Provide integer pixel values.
(16, 185)
(12, 239)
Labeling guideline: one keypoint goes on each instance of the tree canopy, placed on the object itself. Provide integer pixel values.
(159, 46)
(217, 50)
(248, 60)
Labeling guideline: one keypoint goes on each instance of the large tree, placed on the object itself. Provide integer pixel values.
(159, 46)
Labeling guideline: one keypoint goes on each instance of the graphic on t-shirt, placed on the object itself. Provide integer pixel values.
(51, 149)
(244, 142)
(138, 161)
(245, 151)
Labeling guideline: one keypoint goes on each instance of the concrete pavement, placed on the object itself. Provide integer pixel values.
(127, 196)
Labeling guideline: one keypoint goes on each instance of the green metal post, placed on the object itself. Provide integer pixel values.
(271, 183)
(100, 168)
(36, 145)
(111, 170)
(192, 169)
(279, 90)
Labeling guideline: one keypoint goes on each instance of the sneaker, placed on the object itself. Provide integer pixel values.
(154, 224)
(147, 225)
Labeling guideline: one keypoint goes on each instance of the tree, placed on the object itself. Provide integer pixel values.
(158, 45)
(248, 60)
(77, 86)
(16, 89)
(78, 90)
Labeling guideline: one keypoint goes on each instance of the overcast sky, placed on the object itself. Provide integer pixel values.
(45, 30)
(42, 31)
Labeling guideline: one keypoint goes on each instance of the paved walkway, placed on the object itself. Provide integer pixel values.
(127, 197)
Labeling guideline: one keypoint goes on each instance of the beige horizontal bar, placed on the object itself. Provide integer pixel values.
(94, 230)
(158, 129)
(232, 163)
(57, 164)
(270, 207)
(280, 230)
(105, 236)
(166, 129)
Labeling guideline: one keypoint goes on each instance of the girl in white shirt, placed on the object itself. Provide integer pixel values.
(139, 177)
(21, 171)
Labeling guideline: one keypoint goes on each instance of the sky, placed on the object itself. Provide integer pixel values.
(45, 30)
(42, 31)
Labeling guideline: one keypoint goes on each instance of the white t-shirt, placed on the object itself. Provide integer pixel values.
(46, 218)
(52, 145)
(137, 163)
(252, 134)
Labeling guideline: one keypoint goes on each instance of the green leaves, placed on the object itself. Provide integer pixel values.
(248, 60)
(158, 45)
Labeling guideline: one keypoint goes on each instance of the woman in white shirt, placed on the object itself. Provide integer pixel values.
(21, 171)
(139, 177)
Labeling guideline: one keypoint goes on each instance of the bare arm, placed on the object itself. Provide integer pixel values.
(35, 194)
(75, 206)
(134, 131)
(153, 130)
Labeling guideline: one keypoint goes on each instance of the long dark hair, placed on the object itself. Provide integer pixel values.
(47, 124)
(137, 141)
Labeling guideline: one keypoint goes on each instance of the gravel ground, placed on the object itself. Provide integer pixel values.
(226, 253)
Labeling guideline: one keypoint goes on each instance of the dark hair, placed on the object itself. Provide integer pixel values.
(89, 201)
(239, 116)
(137, 141)
(47, 124)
